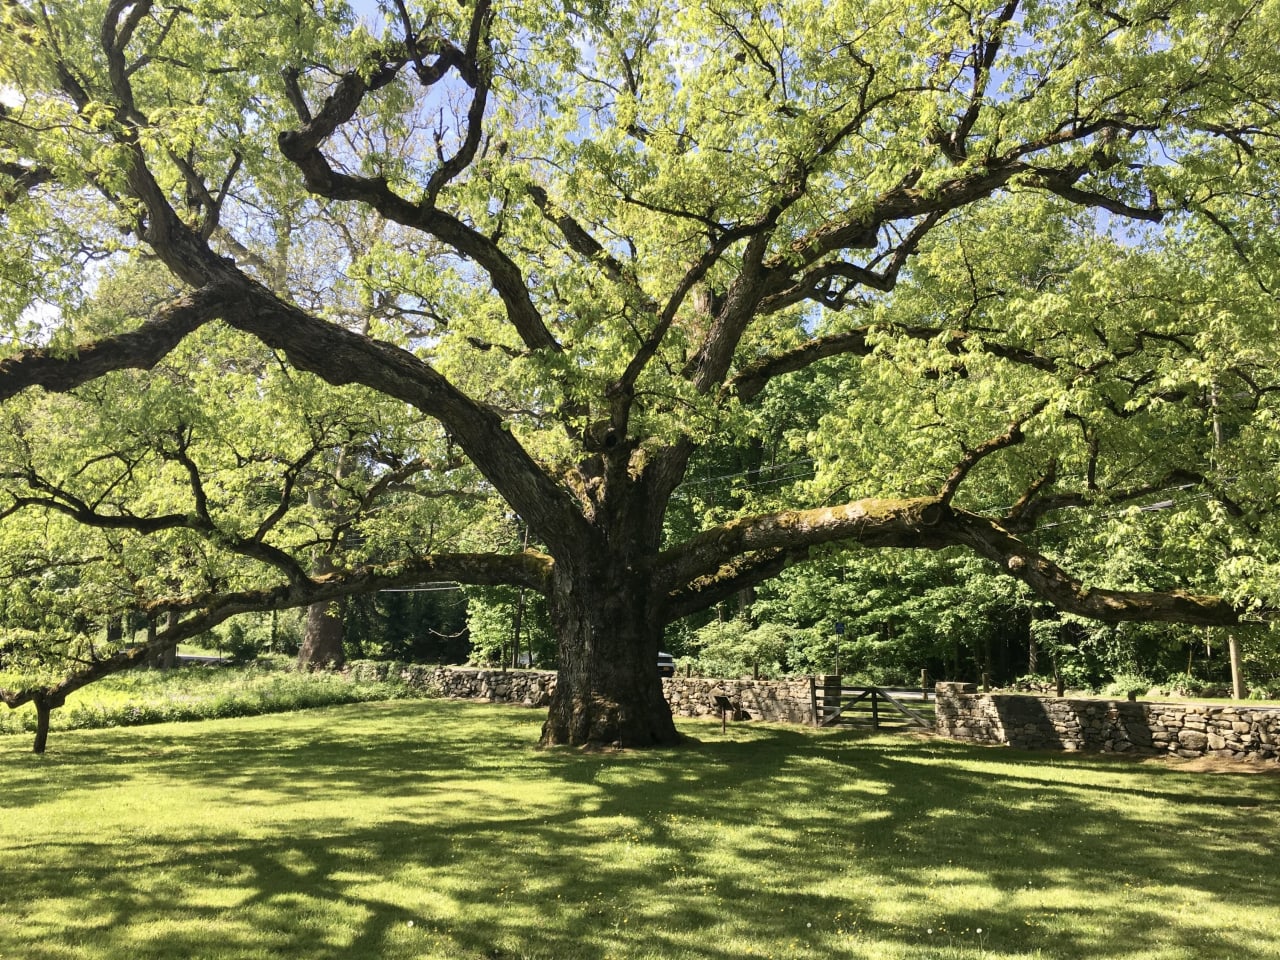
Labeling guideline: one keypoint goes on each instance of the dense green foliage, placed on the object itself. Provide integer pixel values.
(306, 301)
(949, 614)
(508, 626)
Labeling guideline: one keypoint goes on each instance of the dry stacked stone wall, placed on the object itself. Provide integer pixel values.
(778, 701)
(1189, 730)
(532, 688)
(781, 701)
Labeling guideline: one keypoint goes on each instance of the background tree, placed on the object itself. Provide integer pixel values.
(634, 223)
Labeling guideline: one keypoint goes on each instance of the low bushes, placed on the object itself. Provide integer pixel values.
(205, 692)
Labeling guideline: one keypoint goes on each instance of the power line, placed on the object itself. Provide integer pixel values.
(1145, 508)
(703, 481)
(425, 588)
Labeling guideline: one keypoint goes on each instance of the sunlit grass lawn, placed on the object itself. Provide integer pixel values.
(436, 829)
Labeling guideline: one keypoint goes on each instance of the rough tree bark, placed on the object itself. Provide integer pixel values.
(1238, 689)
(609, 630)
(325, 629)
(45, 705)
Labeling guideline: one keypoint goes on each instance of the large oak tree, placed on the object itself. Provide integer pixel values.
(614, 233)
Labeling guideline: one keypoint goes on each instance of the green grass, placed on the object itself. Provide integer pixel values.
(436, 829)
(137, 697)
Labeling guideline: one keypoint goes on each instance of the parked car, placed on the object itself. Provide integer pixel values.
(666, 665)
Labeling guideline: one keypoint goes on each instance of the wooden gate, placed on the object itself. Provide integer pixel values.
(834, 703)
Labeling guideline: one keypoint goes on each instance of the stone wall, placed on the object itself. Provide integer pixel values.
(782, 701)
(532, 688)
(778, 701)
(1236, 731)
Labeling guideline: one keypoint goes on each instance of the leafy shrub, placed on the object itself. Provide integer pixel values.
(240, 645)
(1127, 685)
(1184, 685)
(1074, 677)
(491, 615)
(1035, 683)
(736, 649)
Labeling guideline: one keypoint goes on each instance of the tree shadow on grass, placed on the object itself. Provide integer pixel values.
(343, 747)
(464, 841)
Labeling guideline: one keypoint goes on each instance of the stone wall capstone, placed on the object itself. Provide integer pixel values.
(1235, 731)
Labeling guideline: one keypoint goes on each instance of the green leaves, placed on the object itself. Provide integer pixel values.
(602, 249)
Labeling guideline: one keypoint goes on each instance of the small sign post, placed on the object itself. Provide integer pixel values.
(725, 706)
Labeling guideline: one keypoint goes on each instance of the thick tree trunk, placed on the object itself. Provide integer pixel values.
(322, 638)
(324, 630)
(153, 658)
(608, 692)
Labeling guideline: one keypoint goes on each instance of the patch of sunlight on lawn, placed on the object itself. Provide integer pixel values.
(432, 829)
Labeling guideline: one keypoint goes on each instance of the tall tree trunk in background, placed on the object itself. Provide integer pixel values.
(323, 635)
(161, 659)
(44, 707)
(322, 639)
(169, 659)
(518, 623)
(1238, 690)
(154, 660)
(325, 626)
(42, 727)
(516, 627)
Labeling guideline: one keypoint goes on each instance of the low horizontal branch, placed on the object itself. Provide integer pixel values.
(193, 616)
(753, 548)
(1050, 582)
